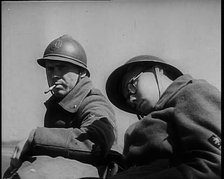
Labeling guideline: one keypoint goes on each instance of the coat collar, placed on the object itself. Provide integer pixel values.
(177, 84)
(72, 101)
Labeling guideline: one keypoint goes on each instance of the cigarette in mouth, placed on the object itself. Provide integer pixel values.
(50, 89)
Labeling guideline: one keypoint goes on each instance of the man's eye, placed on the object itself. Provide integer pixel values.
(61, 67)
(50, 68)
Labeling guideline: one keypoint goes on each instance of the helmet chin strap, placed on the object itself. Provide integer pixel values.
(155, 72)
(140, 116)
(81, 75)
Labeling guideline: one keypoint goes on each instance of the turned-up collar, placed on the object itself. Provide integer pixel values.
(72, 101)
(74, 98)
(174, 87)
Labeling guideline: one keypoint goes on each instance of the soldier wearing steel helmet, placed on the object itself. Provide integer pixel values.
(178, 134)
(79, 122)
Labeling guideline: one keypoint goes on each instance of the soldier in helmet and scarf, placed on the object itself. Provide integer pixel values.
(179, 128)
(79, 122)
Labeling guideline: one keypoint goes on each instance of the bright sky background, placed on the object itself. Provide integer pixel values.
(186, 33)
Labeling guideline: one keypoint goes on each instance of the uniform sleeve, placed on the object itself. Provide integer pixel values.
(197, 126)
(187, 131)
(186, 171)
(93, 139)
(99, 121)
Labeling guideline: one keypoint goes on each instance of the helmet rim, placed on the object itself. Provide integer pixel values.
(114, 81)
(62, 58)
(65, 49)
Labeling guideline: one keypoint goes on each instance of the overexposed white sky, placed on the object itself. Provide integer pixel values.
(186, 33)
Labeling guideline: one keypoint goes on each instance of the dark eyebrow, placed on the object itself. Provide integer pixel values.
(60, 65)
(56, 65)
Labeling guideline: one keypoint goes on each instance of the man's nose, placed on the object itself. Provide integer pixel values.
(55, 75)
(56, 72)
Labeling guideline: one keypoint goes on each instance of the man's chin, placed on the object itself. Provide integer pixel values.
(145, 110)
(59, 94)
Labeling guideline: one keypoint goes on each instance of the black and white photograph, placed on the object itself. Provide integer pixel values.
(111, 89)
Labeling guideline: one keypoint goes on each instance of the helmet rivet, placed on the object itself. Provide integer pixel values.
(65, 49)
(56, 45)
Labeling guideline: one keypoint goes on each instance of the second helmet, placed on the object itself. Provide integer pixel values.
(114, 81)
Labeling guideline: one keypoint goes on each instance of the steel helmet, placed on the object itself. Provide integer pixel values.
(65, 49)
(114, 81)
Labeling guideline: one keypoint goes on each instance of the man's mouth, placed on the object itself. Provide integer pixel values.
(50, 89)
(58, 83)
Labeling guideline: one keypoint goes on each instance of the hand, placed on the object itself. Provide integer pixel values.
(20, 150)
(135, 143)
(16, 159)
(146, 140)
(19, 153)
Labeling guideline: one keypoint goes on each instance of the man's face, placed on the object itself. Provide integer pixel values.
(140, 89)
(64, 75)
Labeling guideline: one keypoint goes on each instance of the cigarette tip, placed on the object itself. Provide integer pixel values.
(50, 88)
